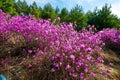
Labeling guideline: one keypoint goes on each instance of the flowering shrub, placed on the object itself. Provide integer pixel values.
(57, 51)
(111, 37)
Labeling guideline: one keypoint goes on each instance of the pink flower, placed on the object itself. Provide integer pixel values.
(110, 64)
(79, 63)
(82, 45)
(56, 64)
(81, 75)
(57, 55)
(88, 57)
(80, 53)
(67, 67)
(101, 72)
(58, 18)
(72, 57)
(85, 70)
(100, 59)
(36, 39)
(73, 74)
(53, 58)
(30, 65)
(88, 49)
(108, 71)
(92, 74)
(29, 51)
(23, 58)
(53, 70)
(60, 63)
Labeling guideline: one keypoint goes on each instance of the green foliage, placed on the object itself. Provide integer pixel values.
(22, 7)
(34, 10)
(64, 14)
(48, 12)
(77, 15)
(103, 18)
(57, 10)
(8, 6)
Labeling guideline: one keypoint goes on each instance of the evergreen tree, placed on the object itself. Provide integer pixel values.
(103, 18)
(22, 8)
(57, 10)
(34, 10)
(49, 12)
(64, 15)
(8, 6)
(77, 15)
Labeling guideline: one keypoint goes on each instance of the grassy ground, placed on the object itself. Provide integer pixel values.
(112, 57)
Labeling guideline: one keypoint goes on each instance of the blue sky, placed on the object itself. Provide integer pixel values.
(86, 4)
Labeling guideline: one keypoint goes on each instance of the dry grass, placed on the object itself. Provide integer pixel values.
(111, 57)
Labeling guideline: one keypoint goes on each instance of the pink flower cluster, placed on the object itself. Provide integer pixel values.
(111, 37)
(69, 51)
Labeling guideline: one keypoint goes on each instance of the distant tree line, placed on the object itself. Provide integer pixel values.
(101, 18)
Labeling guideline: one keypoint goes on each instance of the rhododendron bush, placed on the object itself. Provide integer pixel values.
(52, 51)
(111, 37)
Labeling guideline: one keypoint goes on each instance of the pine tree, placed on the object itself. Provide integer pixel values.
(77, 15)
(22, 8)
(34, 10)
(49, 12)
(8, 6)
(64, 15)
(103, 18)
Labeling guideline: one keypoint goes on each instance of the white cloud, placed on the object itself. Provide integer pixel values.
(116, 8)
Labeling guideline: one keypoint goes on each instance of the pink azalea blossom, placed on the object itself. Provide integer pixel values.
(72, 57)
(92, 74)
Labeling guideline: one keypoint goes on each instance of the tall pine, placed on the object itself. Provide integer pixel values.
(35, 10)
(77, 15)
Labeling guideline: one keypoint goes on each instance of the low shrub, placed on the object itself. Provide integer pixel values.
(48, 50)
(111, 37)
